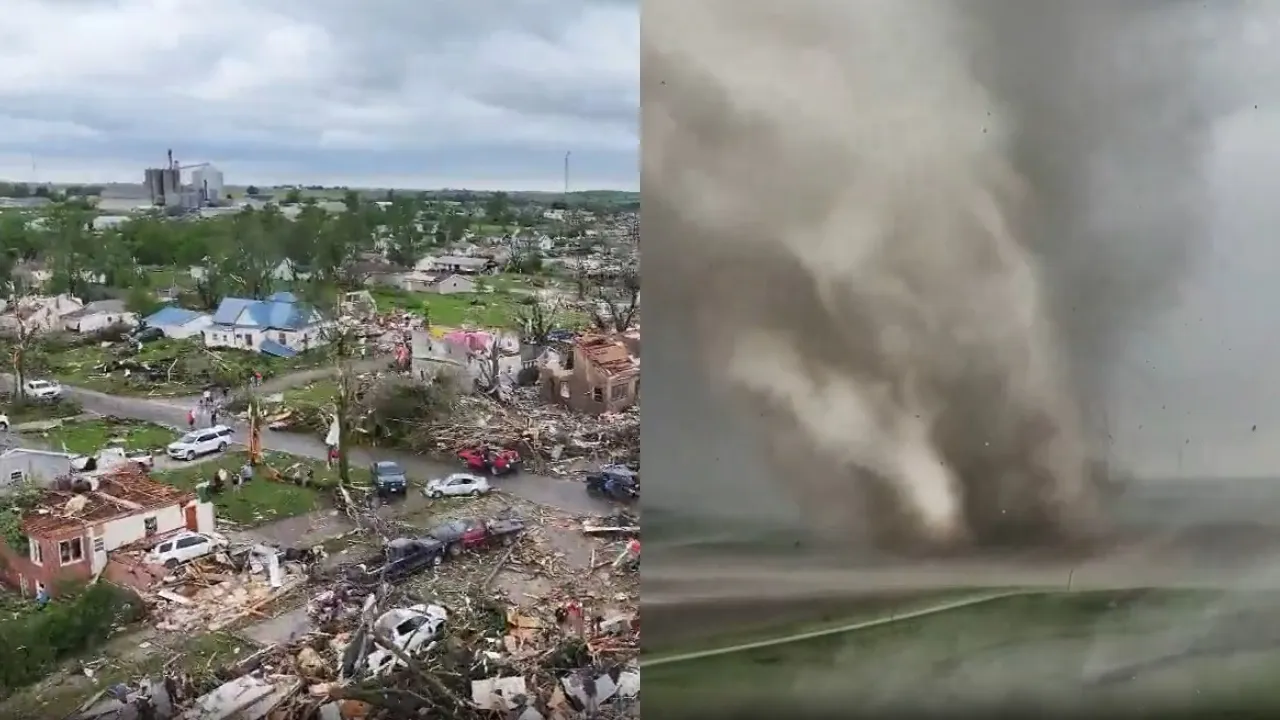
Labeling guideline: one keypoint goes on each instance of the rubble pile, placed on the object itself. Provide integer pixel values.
(545, 627)
(221, 590)
(550, 438)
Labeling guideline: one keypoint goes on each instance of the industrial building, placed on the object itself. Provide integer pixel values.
(166, 189)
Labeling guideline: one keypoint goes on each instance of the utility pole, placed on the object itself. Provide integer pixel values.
(566, 177)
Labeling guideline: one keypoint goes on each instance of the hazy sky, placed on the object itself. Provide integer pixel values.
(393, 92)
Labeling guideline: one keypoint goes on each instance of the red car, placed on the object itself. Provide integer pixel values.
(491, 461)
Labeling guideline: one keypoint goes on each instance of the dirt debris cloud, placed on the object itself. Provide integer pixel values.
(916, 239)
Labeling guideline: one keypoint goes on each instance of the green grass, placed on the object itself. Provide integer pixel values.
(76, 366)
(320, 392)
(164, 278)
(37, 411)
(86, 437)
(1041, 647)
(262, 500)
(494, 309)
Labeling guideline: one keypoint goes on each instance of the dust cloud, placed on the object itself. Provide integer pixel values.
(914, 237)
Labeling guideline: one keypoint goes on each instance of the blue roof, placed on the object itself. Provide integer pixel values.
(274, 312)
(271, 347)
(171, 316)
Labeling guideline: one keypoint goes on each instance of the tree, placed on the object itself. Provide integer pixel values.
(536, 316)
(141, 301)
(251, 190)
(613, 295)
(408, 240)
(25, 349)
(293, 197)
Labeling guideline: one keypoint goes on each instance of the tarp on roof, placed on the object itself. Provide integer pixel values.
(275, 349)
(171, 316)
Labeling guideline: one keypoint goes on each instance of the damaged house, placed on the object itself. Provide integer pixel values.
(598, 375)
(73, 529)
(470, 352)
(98, 315)
(281, 325)
(39, 314)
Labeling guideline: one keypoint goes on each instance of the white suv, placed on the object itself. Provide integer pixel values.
(42, 389)
(200, 442)
(185, 547)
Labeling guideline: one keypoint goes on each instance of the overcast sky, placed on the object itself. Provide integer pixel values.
(387, 93)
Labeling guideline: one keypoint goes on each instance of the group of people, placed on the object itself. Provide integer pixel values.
(209, 406)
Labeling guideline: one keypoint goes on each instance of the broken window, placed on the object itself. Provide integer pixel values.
(280, 338)
(71, 551)
(564, 391)
(597, 394)
(151, 526)
(617, 392)
(37, 552)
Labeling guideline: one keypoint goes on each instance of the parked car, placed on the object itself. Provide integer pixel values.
(492, 461)
(389, 478)
(200, 442)
(409, 556)
(185, 547)
(457, 484)
(470, 533)
(42, 389)
(4, 422)
(614, 482)
(413, 630)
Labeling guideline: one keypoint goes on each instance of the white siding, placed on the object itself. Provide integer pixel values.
(98, 321)
(191, 329)
(130, 529)
(233, 337)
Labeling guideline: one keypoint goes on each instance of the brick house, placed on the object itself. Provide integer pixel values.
(71, 534)
(599, 375)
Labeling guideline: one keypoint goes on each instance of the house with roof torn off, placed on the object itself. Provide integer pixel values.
(76, 526)
(281, 325)
(600, 374)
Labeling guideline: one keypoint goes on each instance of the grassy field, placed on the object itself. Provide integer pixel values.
(495, 309)
(87, 436)
(1148, 649)
(263, 499)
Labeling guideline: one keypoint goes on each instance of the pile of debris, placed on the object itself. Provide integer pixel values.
(550, 438)
(225, 588)
(450, 643)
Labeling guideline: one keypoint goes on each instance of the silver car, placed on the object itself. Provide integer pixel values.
(457, 484)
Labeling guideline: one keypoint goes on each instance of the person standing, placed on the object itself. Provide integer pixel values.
(191, 419)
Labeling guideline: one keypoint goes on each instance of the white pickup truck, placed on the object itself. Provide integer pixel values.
(110, 457)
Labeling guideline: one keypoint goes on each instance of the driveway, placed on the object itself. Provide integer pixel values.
(566, 494)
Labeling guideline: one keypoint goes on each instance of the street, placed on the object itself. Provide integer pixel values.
(170, 412)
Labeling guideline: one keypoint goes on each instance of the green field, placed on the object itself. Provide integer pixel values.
(1133, 649)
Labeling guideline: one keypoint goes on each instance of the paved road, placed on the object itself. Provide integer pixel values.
(561, 493)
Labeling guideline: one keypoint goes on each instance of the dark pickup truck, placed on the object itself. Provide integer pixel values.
(471, 534)
(403, 557)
